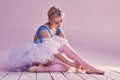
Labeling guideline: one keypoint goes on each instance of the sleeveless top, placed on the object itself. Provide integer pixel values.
(43, 27)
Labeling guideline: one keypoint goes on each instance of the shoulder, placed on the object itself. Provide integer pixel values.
(43, 27)
(60, 33)
(42, 32)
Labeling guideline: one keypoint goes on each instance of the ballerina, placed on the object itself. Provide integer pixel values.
(51, 29)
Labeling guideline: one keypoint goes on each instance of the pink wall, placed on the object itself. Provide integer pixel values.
(92, 27)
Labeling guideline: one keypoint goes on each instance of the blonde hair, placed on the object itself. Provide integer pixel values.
(55, 12)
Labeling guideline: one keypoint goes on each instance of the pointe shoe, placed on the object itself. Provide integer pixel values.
(94, 71)
(33, 69)
(39, 68)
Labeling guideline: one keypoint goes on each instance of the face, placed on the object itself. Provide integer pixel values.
(56, 21)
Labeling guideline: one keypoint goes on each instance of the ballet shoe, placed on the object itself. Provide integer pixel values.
(94, 71)
(33, 69)
(39, 68)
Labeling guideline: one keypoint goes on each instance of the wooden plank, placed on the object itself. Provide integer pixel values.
(3, 74)
(115, 69)
(44, 76)
(114, 72)
(110, 74)
(57, 76)
(101, 77)
(87, 76)
(12, 76)
(28, 76)
(71, 76)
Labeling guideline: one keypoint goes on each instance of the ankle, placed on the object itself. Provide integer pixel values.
(88, 67)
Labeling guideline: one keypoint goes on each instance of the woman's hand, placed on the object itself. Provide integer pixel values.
(63, 59)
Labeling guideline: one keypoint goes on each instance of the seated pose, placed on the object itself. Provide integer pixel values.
(45, 53)
(23, 57)
(51, 30)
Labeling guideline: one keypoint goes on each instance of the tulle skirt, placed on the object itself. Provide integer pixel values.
(25, 55)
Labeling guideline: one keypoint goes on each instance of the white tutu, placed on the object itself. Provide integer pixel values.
(30, 53)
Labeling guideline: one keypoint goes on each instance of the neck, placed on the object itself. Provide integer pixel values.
(50, 26)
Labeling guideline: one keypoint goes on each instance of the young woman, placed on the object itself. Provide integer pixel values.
(42, 52)
(51, 30)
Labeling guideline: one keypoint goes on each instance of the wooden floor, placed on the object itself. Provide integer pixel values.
(111, 73)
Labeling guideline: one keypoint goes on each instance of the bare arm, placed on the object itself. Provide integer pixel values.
(35, 38)
(43, 34)
(62, 34)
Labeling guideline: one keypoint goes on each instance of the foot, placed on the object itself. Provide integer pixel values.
(33, 69)
(39, 68)
(93, 70)
(80, 69)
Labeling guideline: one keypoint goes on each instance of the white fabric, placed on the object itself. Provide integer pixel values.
(29, 53)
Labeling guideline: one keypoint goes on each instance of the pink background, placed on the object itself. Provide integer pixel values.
(91, 26)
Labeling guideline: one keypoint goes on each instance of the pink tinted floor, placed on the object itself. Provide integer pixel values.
(111, 73)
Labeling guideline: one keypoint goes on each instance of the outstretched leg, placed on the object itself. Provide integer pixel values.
(72, 54)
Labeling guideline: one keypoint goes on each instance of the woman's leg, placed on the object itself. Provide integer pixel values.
(72, 54)
(55, 66)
